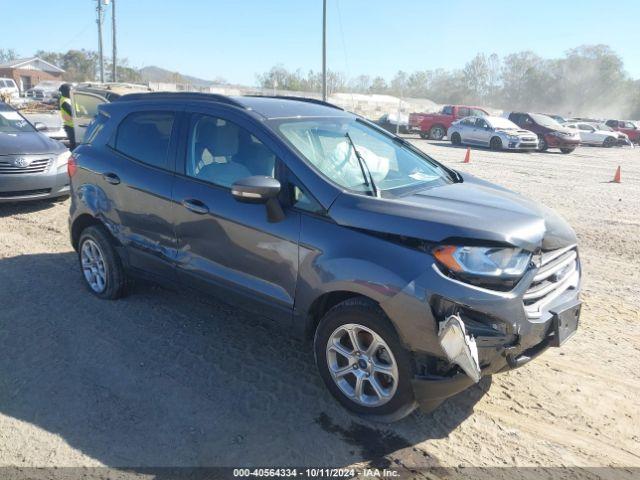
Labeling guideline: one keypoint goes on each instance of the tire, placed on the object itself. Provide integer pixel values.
(96, 244)
(437, 132)
(567, 150)
(495, 143)
(364, 318)
(456, 139)
(542, 144)
(609, 142)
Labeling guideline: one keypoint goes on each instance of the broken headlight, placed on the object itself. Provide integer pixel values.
(491, 267)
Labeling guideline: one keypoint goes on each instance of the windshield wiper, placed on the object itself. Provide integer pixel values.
(368, 178)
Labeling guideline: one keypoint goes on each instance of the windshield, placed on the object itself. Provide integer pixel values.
(501, 123)
(12, 122)
(326, 145)
(544, 120)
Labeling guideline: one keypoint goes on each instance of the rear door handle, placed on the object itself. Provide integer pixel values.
(111, 178)
(196, 206)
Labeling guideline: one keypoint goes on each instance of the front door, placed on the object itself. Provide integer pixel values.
(482, 133)
(225, 247)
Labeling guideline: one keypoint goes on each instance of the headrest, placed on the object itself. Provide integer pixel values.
(226, 143)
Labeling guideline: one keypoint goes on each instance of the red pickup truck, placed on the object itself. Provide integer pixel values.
(435, 125)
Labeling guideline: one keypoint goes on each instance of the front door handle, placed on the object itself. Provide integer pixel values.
(196, 206)
(111, 178)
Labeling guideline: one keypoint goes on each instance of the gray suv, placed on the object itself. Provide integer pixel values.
(410, 280)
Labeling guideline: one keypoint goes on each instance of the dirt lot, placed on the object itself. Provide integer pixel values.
(164, 379)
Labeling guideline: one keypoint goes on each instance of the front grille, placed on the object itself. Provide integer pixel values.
(558, 273)
(25, 193)
(38, 165)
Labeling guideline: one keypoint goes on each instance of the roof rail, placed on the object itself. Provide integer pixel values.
(214, 97)
(300, 99)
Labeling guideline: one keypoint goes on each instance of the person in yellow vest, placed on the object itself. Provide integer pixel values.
(66, 113)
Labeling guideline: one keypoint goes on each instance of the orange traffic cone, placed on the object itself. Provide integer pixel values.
(616, 177)
(467, 157)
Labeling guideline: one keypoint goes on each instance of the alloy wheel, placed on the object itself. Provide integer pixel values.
(93, 265)
(362, 365)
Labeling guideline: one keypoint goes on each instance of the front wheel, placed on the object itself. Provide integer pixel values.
(609, 142)
(495, 143)
(362, 362)
(456, 139)
(567, 150)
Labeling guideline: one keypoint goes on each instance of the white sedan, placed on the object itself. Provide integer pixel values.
(598, 134)
(496, 133)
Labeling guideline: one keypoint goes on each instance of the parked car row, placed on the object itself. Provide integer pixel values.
(469, 125)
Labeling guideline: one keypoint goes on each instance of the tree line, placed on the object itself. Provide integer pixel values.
(587, 80)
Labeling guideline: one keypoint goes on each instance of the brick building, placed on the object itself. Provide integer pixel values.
(28, 72)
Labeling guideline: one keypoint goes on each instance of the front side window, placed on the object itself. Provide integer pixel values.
(145, 136)
(222, 152)
(477, 112)
(330, 145)
(481, 123)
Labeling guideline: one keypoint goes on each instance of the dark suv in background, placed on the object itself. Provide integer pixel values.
(550, 133)
(412, 280)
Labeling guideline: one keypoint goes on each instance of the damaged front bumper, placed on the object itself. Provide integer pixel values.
(479, 332)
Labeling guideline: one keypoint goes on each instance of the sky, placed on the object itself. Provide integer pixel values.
(238, 39)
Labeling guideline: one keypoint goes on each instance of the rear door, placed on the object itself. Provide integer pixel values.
(227, 248)
(137, 178)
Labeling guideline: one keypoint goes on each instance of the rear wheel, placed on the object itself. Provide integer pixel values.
(437, 132)
(495, 143)
(456, 139)
(609, 142)
(567, 150)
(100, 264)
(362, 361)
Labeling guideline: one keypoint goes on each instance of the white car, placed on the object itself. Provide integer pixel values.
(9, 87)
(498, 133)
(598, 134)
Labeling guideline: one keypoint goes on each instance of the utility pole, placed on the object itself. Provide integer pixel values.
(114, 71)
(100, 53)
(324, 50)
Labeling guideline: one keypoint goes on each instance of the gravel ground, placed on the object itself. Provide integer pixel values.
(161, 378)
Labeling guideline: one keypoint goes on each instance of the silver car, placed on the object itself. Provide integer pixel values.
(32, 166)
(495, 132)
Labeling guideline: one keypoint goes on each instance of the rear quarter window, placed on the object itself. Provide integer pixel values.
(145, 136)
(95, 127)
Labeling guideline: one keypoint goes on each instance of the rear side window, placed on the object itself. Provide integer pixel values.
(145, 136)
(477, 113)
(463, 112)
(448, 110)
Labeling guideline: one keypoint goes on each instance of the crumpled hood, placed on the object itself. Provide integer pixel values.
(473, 209)
(28, 143)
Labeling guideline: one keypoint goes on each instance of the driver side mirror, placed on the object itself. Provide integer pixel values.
(39, 126)
(260, 189)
